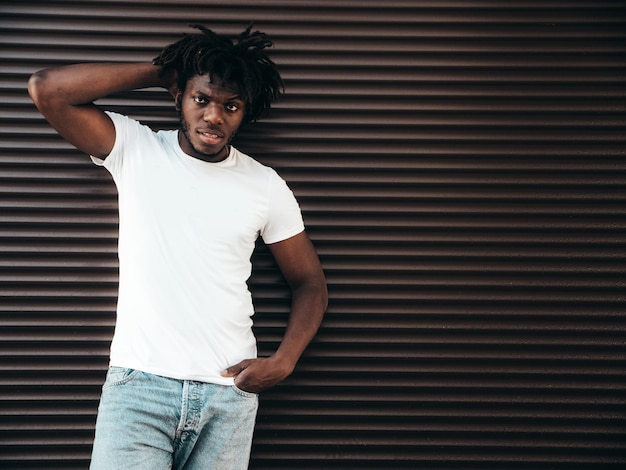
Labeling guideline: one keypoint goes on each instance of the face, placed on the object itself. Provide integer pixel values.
(210, 116)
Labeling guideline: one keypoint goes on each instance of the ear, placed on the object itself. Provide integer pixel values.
(177, 100)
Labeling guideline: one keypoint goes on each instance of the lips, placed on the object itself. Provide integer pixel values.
(210, 136)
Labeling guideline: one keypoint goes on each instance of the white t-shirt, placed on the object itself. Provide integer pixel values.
(187, 232)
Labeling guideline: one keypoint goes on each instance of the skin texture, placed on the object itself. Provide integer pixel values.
(210, 117)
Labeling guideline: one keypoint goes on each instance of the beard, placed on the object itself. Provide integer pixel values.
(184, 128)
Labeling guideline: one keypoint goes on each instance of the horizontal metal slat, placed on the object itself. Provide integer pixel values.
(460, 170)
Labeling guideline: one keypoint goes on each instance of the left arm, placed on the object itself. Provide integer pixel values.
(300, 265)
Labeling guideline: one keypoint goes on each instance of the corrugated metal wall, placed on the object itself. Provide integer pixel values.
(462, 172)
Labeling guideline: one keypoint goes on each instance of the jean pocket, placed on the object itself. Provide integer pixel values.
(119, 376)
(243, 393)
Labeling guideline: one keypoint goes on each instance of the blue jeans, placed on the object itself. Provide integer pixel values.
(147, 422)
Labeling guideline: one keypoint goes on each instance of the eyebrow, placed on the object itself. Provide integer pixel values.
(229, 98)
(235, 95)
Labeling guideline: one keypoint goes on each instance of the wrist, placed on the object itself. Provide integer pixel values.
(168, 78)
(284, 362)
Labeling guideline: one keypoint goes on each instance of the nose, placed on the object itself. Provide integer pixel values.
(213, 113)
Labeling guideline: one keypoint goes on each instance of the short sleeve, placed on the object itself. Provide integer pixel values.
(284, 218)
(129, 135)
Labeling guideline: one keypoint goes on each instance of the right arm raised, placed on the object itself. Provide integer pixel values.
(65, 96)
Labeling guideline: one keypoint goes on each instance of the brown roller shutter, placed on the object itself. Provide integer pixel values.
(461, 170)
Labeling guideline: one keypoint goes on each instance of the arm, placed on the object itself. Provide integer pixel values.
(65, 96)
(298, 261)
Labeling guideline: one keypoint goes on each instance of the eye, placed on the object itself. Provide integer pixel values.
(232, 107)
(200, 99)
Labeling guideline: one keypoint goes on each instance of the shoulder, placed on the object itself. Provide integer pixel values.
(131, 132)
(137, 142)
(251, 165)
(123, 121)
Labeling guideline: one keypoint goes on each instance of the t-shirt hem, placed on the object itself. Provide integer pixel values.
(218, 380)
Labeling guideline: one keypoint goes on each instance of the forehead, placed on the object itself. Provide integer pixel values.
(204, 84)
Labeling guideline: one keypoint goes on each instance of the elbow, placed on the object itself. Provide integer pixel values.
(35, 84)
(313, 292)
(320, 290)
(38, 88)
(321, 287)
(324, 296)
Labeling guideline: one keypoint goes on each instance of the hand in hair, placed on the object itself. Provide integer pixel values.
(244, 65)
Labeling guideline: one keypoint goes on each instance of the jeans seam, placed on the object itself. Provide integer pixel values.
(183, 409)
(244, 393)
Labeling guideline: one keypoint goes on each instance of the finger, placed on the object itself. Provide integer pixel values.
(232, 371)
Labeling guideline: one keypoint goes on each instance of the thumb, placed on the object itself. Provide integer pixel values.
(232, 371)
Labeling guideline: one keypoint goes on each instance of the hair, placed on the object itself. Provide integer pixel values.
(244, 64)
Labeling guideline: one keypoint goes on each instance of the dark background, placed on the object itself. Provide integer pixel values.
(461, 169)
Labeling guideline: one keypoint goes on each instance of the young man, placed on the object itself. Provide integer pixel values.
(181, 391)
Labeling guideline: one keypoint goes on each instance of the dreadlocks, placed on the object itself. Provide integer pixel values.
(244, 63)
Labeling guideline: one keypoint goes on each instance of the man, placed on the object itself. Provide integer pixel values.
(181, 390)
